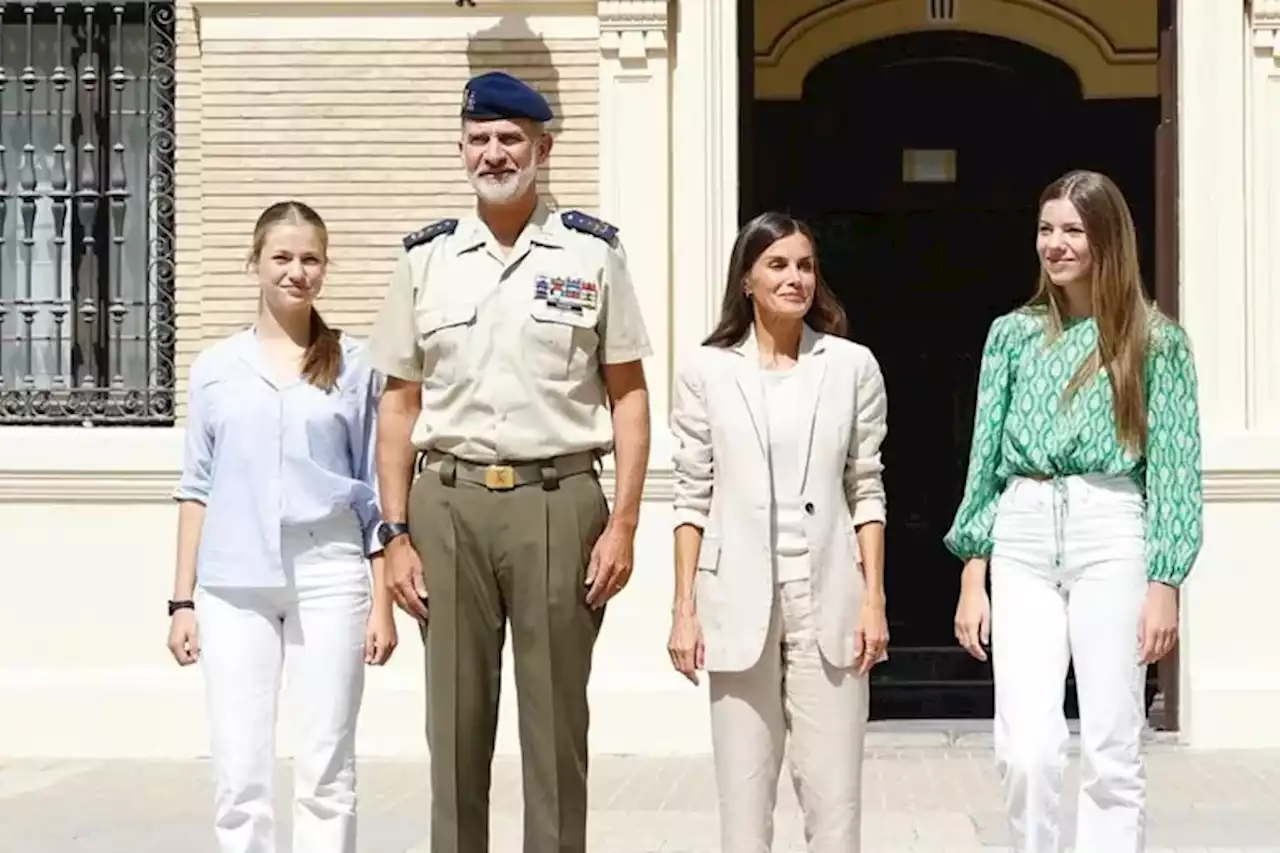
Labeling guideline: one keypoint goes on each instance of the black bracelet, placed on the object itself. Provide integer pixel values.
(185, 604)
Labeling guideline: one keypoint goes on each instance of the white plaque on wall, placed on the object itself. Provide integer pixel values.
(928, 165)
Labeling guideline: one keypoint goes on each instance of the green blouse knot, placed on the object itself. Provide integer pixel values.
(1021, 429)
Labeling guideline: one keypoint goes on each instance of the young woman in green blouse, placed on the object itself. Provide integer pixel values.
(1083, 496)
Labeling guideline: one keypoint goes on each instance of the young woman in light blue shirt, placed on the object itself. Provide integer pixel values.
(277, 558)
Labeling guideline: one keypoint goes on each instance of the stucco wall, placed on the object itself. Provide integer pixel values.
(84, 514)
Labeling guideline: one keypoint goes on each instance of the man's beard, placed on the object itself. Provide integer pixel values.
(510, 188)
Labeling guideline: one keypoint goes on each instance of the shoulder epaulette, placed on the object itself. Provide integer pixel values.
(579, 221)
(432, 231)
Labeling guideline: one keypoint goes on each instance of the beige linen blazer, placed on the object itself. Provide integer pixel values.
(723, 486)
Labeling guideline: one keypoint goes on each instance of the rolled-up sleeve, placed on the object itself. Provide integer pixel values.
(196, 479)
(364, 437)
(692, 459)
(863, 480)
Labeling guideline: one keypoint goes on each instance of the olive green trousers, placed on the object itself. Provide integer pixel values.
(491, 558)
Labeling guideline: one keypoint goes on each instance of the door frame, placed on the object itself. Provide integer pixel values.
(1168, 238)
(1168, 231)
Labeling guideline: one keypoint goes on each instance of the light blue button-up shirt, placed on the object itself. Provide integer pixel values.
(262, 456)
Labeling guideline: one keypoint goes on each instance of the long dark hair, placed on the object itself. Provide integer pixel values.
(737, 313)
(323, 359)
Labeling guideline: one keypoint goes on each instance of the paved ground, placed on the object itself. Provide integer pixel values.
(920, 796)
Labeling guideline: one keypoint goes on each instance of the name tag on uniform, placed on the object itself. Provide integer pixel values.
(572, 295)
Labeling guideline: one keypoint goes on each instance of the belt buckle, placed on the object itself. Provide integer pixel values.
(500, 477)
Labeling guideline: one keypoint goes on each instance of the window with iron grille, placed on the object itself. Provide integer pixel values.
(86, 213)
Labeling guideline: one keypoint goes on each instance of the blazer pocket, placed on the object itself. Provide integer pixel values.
(709, 554)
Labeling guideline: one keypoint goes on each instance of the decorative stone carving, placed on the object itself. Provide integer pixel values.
(1265, 15)
(633, 30)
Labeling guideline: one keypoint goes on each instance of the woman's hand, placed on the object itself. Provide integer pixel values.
(873, 629)
(380, 637)
(184, 637)
(1158, 628)
(973, 612)
(685, 645)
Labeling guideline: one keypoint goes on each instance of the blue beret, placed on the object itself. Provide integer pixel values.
(497, 94)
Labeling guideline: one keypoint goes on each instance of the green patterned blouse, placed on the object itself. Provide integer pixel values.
(1021, 428)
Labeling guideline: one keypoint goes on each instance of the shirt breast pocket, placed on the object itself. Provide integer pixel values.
(442, 337)
(562, 342)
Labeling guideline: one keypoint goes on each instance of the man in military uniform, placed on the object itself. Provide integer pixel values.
(512, 342)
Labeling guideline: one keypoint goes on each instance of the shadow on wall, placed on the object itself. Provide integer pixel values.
(511, 45)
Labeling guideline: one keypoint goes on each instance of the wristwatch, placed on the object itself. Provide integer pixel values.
(389, 530)
(185, 604)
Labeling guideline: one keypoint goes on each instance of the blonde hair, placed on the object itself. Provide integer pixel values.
(323, 359)
(1119, 305)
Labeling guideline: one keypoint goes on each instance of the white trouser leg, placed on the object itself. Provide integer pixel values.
(1107, 556)
(748, 739)
(324, 630)
(1068, 583)
(1029, 662)
(240, 640)
(826, 713)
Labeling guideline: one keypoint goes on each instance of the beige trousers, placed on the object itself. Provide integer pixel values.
(792, 701)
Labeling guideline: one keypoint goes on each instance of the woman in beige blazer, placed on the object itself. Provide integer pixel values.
(779, 540)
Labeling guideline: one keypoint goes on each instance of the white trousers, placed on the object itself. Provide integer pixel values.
(315, 627)
(1068, 582)
(791, 691)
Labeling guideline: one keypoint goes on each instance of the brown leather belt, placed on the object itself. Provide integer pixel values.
(501, 477)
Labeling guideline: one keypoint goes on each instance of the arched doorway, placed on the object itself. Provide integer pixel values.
(919, 158)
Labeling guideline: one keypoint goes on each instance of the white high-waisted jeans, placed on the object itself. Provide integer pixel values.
(315, 626)
(1068, 583)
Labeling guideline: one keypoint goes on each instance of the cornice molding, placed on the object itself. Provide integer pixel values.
(1258, 486)
(436, 8)
(633, 30)
(1265, 17)
(104, 488)
(156, 486)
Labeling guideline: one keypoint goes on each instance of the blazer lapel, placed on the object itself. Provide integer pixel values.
(747, 375)
(812, 368)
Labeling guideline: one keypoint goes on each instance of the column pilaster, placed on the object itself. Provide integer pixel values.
(1212, 200)
(705, 160)
(1227, 695)
(1262, 184)
(635, 173)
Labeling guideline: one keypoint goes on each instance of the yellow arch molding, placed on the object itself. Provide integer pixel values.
(1103, 72)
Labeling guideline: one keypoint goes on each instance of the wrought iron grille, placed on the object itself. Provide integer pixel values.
(86, 212)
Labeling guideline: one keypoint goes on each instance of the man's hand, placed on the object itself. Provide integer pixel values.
(404, 578)
(612, 559)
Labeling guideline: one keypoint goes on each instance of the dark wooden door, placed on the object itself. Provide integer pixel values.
(886, 266)
(923, 269)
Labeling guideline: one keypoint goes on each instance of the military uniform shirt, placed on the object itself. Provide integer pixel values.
(508, 349)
